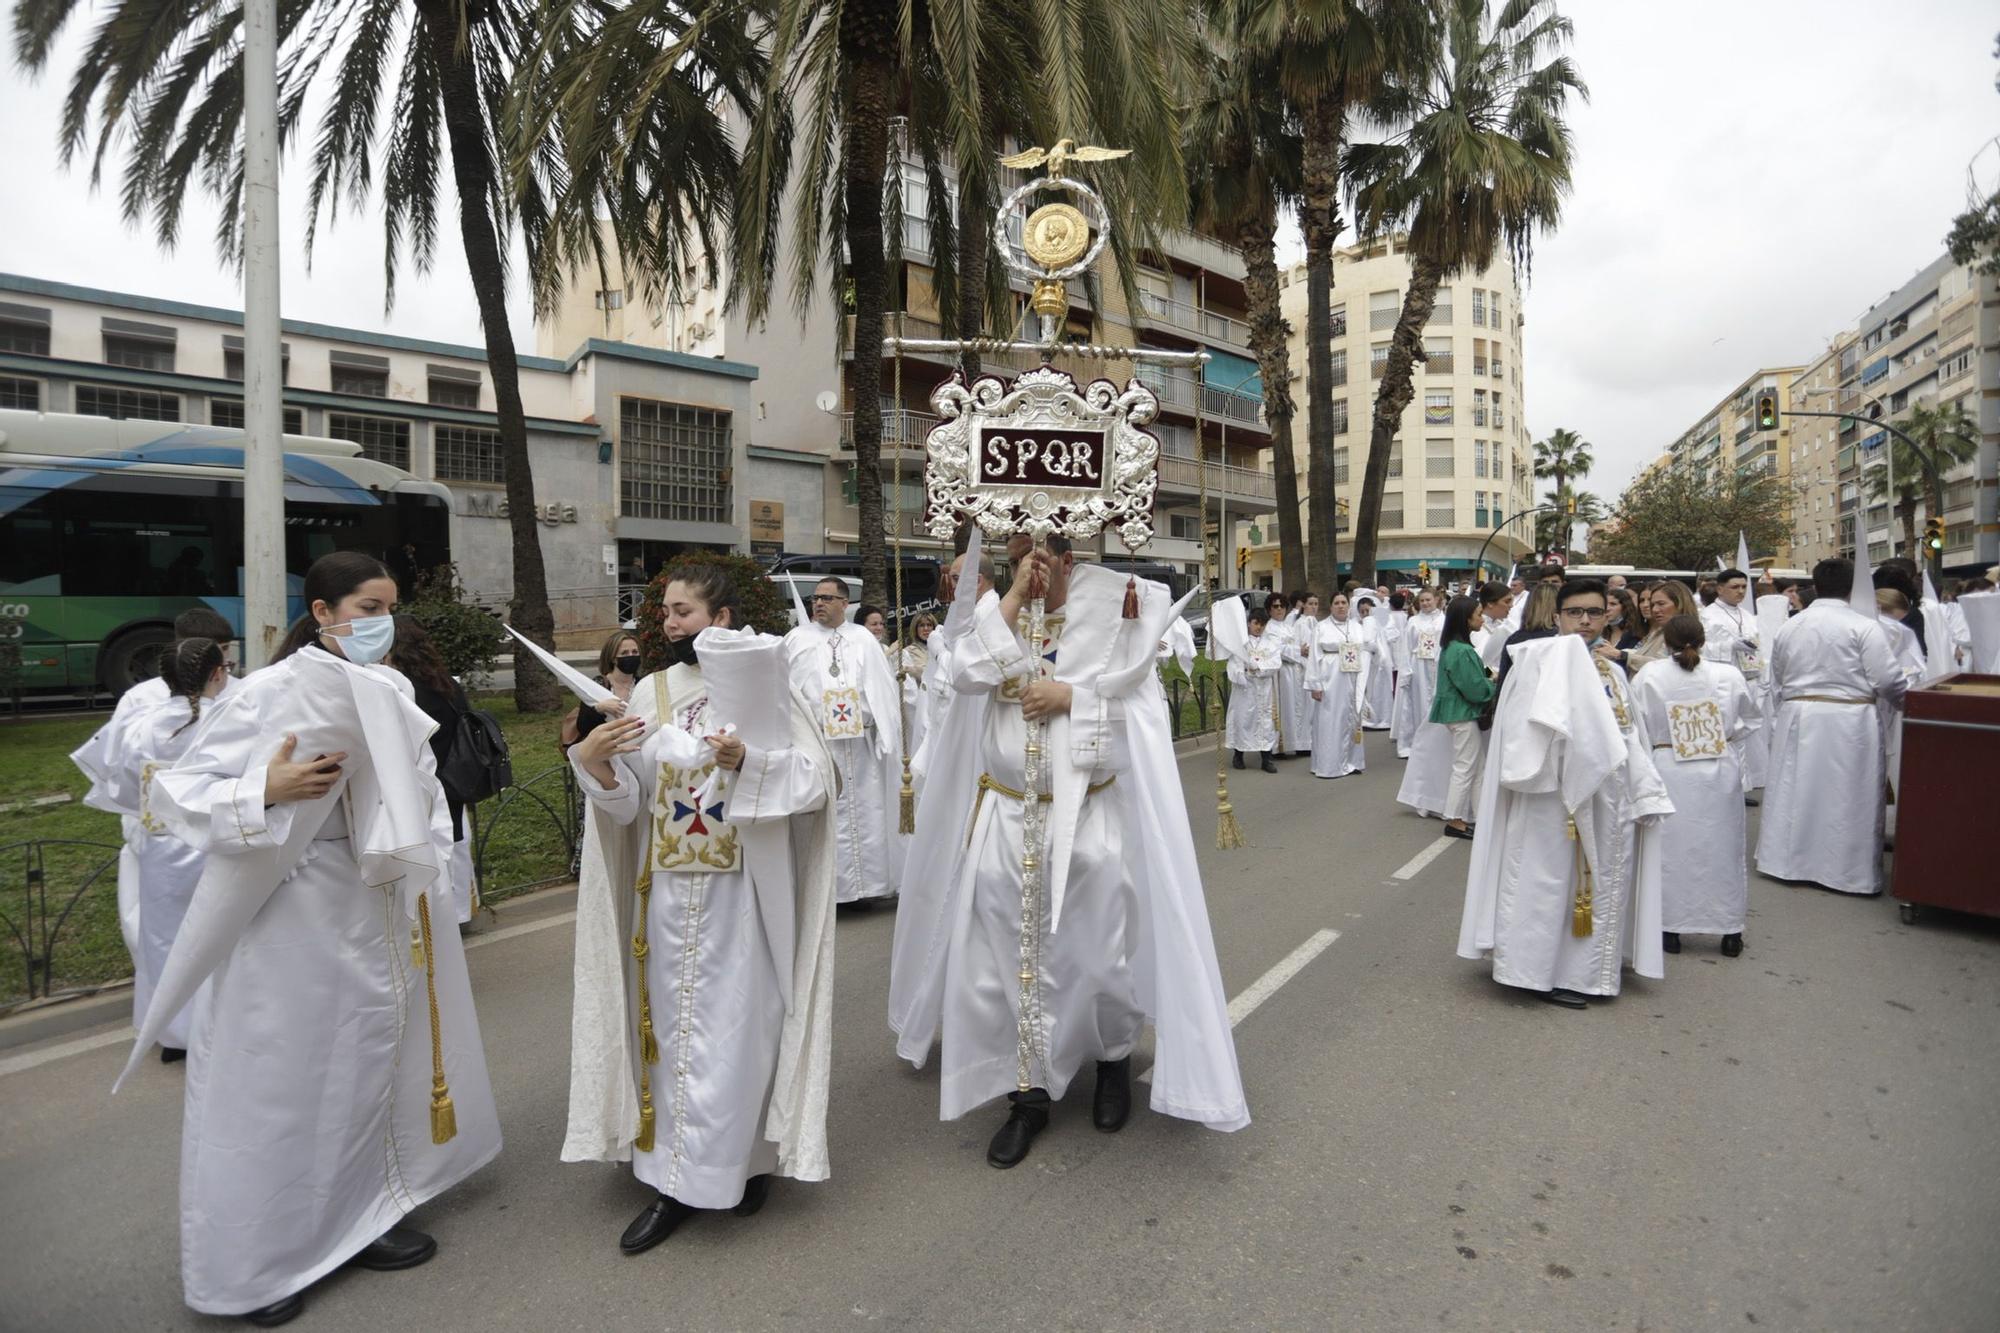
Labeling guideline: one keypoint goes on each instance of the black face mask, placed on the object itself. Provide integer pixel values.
(628, 664)
(680, 652)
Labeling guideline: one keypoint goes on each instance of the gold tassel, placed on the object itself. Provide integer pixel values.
(1228, 833)
(644, 1142)
(1581, 918)
(444, 1118)
(649, 1045)
(417, 963)
(906, 822)
(1131, 598)
(1356, 739)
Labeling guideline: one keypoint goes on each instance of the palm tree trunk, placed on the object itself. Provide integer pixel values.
(973, 206)
(1319, 217)
(1269, 344)
(871, 75)
(472, 169)
(1392, 397)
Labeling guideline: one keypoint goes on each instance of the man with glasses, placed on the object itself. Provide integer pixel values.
(1563, 882)
(843, 671)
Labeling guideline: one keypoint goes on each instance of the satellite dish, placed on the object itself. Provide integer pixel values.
(827, 400)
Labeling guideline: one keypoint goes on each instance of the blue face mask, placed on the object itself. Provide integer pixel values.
(368, 638)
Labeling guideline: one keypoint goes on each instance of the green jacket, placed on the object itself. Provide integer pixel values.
(1463, 687)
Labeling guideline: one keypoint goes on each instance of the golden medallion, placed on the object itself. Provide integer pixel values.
(1056, 236)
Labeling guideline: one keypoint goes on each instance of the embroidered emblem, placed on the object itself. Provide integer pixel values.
(840, 713)
(1427, 644)
(1350, 656)
(1697, 730)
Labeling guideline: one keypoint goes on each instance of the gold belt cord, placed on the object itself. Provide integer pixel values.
(649, 1045)
(1581, 921)
(444, 1119)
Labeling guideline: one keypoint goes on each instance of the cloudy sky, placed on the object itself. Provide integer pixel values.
(1751, 176)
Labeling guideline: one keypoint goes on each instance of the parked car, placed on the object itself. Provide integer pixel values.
(1198, 605)
(920, 576)
(805, 583)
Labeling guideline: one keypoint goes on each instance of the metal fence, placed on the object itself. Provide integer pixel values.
(54, 876)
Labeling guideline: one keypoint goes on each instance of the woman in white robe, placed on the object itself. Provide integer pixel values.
(149, 739)
(1419, 682)
(335, 1079)
(1379, 700)
(1696, 710)
(704, 1063)
(1293, 633)
(910, 666)
(1251, 726)
(1343, 664)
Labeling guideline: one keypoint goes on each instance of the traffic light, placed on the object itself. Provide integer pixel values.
(1767, 412)
(1933, 534)
(1242, 556)
(1423, 571)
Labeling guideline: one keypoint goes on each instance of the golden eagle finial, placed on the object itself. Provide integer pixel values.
(1064, 152)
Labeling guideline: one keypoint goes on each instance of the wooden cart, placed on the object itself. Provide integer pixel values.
(1950, 790)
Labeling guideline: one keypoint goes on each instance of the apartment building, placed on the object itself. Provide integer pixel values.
(634, 448)
(1462, 462)
(1727, 442)
(1814, 447)
(1934, 341)
(1190, 298)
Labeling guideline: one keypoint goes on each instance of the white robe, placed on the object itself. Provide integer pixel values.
(1124, 925)
(868, 810)
(1824, 797)
(307, 1131)
(1559, 759)
(1910, 661)
(1705, 878)
(1294, 722)
(1423, 641)
(738, 948)
(1736, 637)
(1380, 698)
(1343, 665)
(914, 661)
(1253, 722)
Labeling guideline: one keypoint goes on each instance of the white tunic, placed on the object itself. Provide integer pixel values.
(1423, 640)
(1824, 797)
(1736, 637)
(1253, 695)
(1343, 665)
(1694, 718)
(1294, 637)
(1380, 699)
(1566, 787)
(713, 978)
(860, 717)
(307, 1131)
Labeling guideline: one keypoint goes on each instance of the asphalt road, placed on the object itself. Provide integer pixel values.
(1796, 1138)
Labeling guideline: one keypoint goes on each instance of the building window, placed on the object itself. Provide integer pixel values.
(675, 461)
(1439, 457)
(1440, 510)
(1184, 527)
(122, 404)
(380, 438)
(1479, 516)
(468, 453)
(1340, 320)
(1479, 458)
(1378, 360)
(1437, 356)
(1437, 408)
(1392, 510)
(1383, 309)
(610, 298)
(452, 392)
(1479, 408)
(1340, 465)
(1395, 458)
(138, 353)
(229, 412)
(363, 381)
(1340, 416)
(1441, 312)
(1478, 308)
(24, 395)
(24, 336)
(1339, 376)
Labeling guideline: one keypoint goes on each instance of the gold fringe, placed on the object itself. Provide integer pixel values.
(644, 1142)
(649, 1045)
(1228, 833)
(444, 1119)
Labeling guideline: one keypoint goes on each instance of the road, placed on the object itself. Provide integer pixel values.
(1790, 1139)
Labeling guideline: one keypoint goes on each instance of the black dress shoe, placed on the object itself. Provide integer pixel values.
(1027, 1119)
(1270, 764)
(1237, 762)
(1752, 801)
(396, 1248)
(1568, 999)
(172, 1055)
(278, 1312)
(1732, 945)
(1670, 941)
(654, 1225)
(1451, 832)
(755, 1191)
(1112, 1106)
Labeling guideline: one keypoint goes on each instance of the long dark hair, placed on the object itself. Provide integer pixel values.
(1457, 623)
(185, 668)
(713, 587)
(332, 577)
(416, 656)
(1685, 637)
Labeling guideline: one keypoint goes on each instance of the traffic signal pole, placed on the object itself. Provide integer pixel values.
(1924, 460)
(263, 369)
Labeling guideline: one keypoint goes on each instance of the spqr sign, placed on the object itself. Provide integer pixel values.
(1022, 457)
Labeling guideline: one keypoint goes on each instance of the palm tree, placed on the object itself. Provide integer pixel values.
(163, 79)
(1481, 159)
(1243, 152)
(1552, 527)
(1328, 55)
(1948, 437)
(1563, 457)
(820, 146)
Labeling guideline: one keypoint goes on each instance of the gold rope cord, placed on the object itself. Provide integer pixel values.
(444, 1119)
(906, 821)
(1581, 919)
(649, 1043)
(1228, 832)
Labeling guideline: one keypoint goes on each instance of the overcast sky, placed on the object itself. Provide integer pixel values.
(1751, 176)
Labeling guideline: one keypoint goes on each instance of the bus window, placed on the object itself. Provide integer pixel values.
(126, 544)
(30, 556)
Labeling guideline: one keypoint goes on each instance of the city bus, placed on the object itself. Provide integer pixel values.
(109, 529)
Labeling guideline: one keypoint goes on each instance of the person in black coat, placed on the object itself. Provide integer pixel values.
(443, 700)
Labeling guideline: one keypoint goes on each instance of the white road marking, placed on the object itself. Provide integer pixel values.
(1415, 865)
(1264, 987)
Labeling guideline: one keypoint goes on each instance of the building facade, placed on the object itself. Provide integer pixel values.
(1814, 446)
(1190, 297)
(1463, 462)
(1727, 442)
(636, 450)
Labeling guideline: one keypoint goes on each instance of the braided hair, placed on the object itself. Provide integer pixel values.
(186, 668)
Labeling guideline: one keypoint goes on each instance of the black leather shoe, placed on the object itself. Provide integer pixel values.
(1010, 1145)
(654, 1225)
(1732, 945)
(1237, 762)
(1112, 1106)
(1752, 802)
(1568, 999)
(396, 1248)
(1270, 764)
(1670, 941)
(1465, 833)
(278, 1312)
(755, 1191)
(172, 1055)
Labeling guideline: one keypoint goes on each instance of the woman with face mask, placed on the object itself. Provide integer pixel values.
(619, 667)
(335, 1077)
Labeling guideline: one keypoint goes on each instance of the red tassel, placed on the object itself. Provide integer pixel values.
(1131, 599)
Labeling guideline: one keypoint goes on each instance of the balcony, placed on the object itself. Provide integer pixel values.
(1226, 481)
(1176, 389)
(1211, 325)
(1440, 314)
(900, 430)
(1442, 363)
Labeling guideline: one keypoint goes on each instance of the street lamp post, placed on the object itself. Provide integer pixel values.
(1222, 492)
